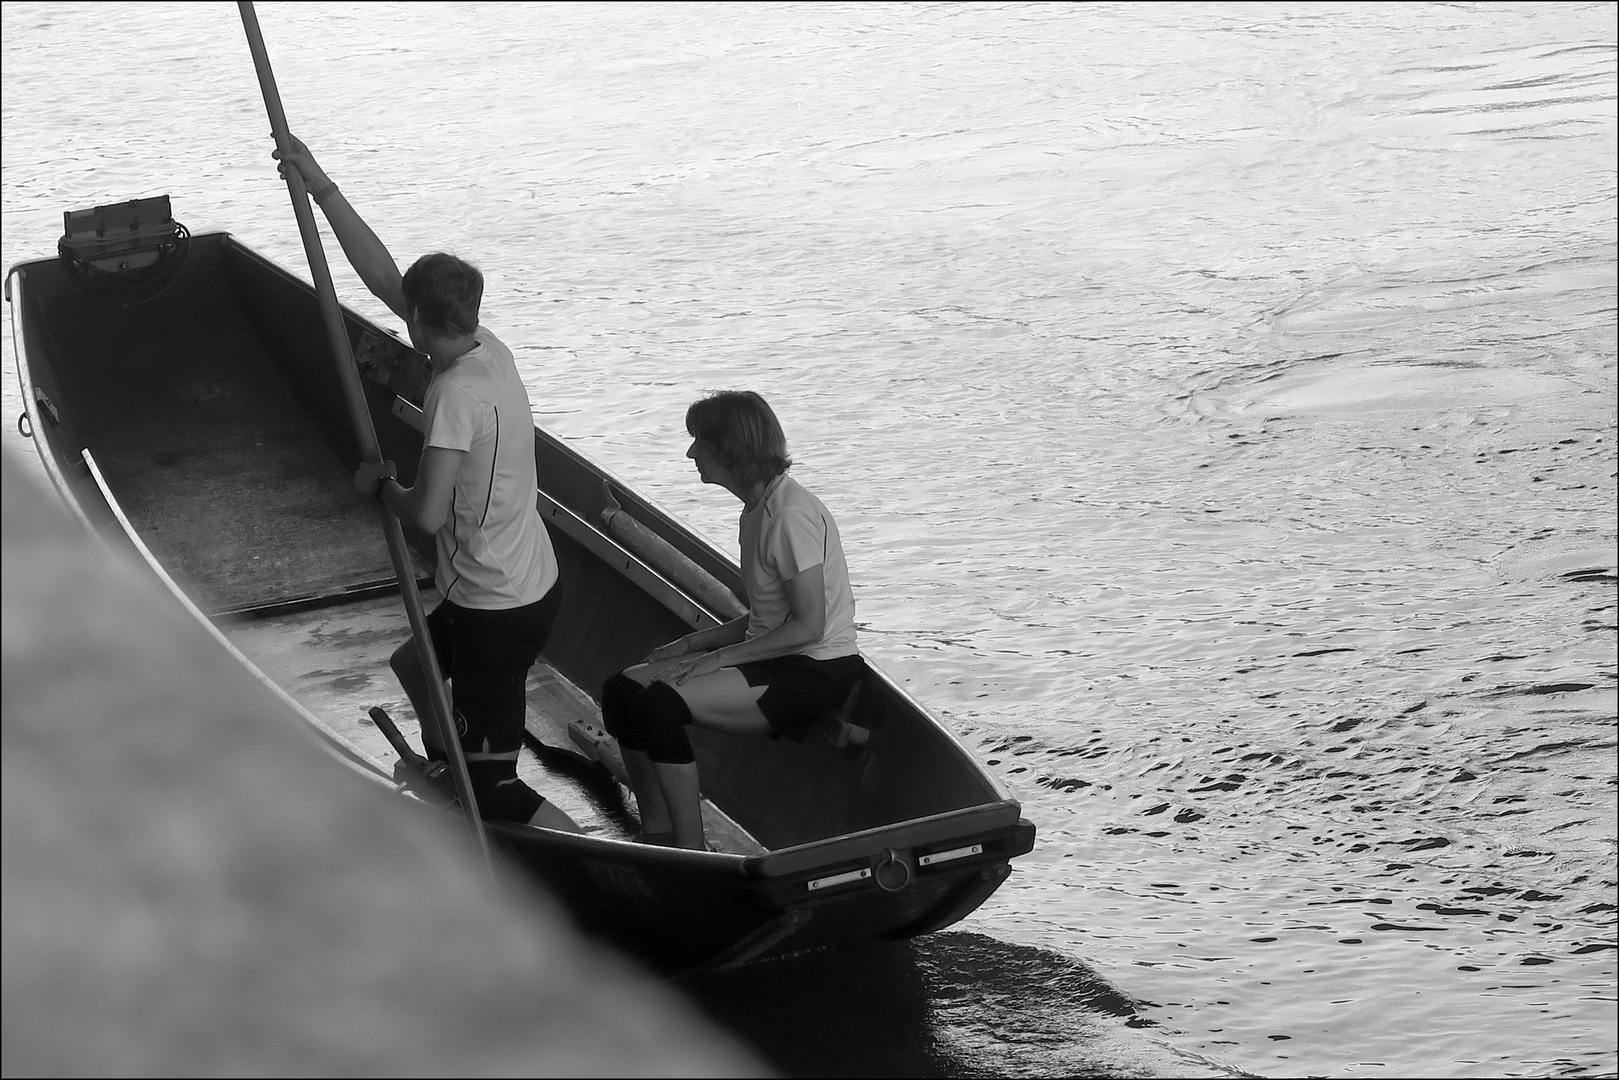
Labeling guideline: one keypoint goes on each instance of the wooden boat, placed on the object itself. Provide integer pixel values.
(183, 398)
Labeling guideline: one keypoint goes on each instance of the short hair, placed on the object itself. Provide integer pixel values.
(744, 432)
(443, 292)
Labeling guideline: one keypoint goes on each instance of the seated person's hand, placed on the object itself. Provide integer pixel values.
(689, 668)
(668, 651)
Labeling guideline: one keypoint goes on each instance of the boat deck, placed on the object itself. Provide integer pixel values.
(209, 450)
(354, 640)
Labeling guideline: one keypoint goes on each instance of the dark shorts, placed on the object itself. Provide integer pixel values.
(801, 690)
(486, 656)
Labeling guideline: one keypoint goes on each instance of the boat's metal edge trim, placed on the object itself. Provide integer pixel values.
(340, 746)
(349, 594)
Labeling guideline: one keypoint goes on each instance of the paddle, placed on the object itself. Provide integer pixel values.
(365, 433)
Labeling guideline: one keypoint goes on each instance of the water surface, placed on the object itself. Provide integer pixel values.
(1218, 403)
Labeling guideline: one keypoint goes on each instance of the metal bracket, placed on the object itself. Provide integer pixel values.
(391, 363)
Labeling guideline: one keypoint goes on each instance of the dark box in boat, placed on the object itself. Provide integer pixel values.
(123, 237)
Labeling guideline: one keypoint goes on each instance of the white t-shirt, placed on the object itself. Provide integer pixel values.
(787, 532)
(493, 552)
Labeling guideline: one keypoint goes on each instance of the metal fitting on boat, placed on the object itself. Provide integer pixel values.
(892, 873)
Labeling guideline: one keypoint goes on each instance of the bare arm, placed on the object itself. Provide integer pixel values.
(698, 641)
(804, 625)
(365, 252)
(427, 505)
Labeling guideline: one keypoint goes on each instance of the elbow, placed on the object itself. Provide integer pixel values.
(409, 507)
(811, 631)
(426, 518)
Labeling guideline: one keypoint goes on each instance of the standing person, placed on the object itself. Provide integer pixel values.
(475, 494)
(774, 671)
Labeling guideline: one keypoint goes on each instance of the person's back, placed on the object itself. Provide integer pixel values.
(495, 552)
(790, 529)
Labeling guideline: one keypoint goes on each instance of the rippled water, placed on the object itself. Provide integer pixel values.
(1219, 405)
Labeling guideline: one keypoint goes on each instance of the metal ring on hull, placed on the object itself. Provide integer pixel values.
(885, 875)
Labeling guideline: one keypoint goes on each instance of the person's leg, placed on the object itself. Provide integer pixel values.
(677, 781)
(406, 663)
(623, 722)
(493, 653)
(723, 701)
(547, 815)
(661, 717)
(656, 827)
(726, 700)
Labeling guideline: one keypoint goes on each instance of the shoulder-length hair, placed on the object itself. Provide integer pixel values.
(744, 432)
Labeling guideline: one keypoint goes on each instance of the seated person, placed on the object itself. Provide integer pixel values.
(775, 671)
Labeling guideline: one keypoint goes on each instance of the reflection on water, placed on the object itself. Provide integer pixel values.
(951, 1004)
(1218, 405)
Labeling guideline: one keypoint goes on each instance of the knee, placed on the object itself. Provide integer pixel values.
(406, 665)
(618, 707)
(665, 715)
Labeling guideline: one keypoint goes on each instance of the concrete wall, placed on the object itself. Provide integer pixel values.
(191, 886)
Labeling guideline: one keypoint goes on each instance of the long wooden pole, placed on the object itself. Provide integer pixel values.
(360, 413)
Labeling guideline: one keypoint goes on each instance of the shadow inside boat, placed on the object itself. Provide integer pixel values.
(597, 785)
